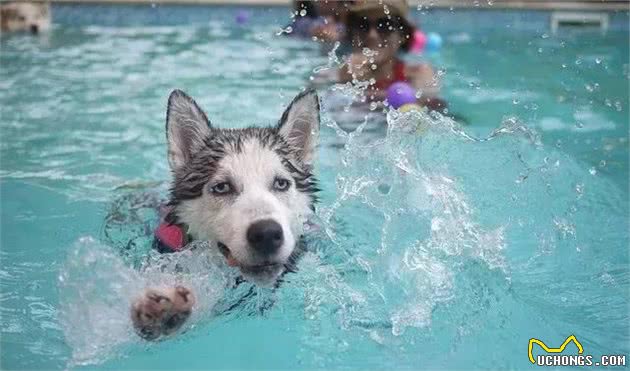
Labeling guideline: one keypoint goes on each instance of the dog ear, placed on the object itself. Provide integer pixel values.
(186, 128)
(299, 124)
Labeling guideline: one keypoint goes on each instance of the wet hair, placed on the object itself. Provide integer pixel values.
(406, 31)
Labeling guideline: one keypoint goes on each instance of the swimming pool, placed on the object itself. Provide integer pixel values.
(445, 249)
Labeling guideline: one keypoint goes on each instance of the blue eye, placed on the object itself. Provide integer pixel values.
(221, 188)
(281, 184)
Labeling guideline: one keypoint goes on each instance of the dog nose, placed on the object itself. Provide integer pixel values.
(34, 28)
(265, 236)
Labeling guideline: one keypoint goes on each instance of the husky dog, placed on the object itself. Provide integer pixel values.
(247, 191)
(29, 16)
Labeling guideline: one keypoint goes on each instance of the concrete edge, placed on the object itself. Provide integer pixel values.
(436, 4)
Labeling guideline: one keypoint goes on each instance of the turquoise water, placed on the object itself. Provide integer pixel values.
(445, 249)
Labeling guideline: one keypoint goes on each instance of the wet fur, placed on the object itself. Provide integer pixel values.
(24, 16)
(250, 160)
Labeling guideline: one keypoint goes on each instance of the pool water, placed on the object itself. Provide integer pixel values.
(442, 244)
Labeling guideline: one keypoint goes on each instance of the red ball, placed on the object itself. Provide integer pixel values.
(419, 41)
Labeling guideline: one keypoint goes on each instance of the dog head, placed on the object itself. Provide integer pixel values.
(33, 17)
(249, 191)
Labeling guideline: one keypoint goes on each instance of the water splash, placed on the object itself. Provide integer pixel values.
(96, 290)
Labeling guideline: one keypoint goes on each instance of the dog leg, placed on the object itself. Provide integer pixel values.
(161, 311)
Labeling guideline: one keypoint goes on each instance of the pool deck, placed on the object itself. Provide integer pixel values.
(589, 5)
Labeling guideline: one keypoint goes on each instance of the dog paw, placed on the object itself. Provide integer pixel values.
(161, 311)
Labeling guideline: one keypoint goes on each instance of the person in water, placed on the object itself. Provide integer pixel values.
(380, 32)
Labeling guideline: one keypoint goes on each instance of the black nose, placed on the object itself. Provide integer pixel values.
(34, 28)
(265, 236)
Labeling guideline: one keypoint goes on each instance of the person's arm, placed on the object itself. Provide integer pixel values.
(360, 67)
(423, 78)
(355, 65)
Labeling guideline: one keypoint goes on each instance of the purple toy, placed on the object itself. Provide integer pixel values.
(400, 93)
(242, 16)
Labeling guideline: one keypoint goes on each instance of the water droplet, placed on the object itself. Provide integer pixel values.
(602, 163)
(592, 171)
(598, 60)
(618, 106)
(373, 106)
(515, 101)
(540, 50)
(579, 125)
(579, 189)
(564, 65)
(373, 67)
(544, 36)
(303, 12)
(578, 61)
(286, 30)
(490, 2)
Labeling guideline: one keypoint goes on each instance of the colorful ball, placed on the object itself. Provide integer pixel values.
(242, 17)
(400, 93)
(419, 41)
(409, 107)
(434, 42)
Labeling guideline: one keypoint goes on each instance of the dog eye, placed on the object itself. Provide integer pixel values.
(281, 184)
(221, 188)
